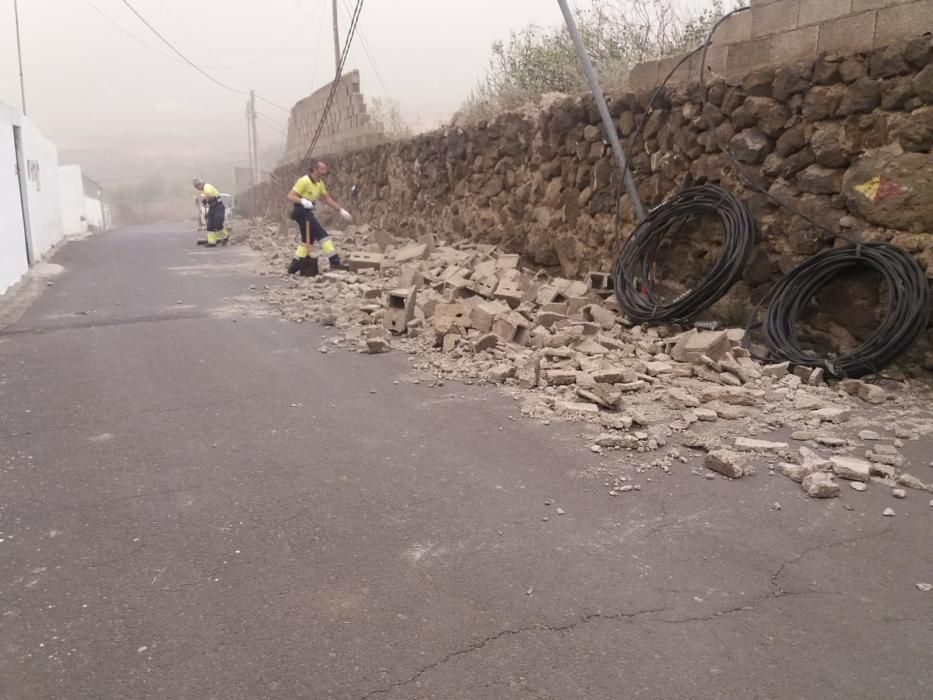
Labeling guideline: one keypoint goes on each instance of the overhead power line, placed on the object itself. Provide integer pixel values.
(192, 63)
(369, 54)
(354, 21)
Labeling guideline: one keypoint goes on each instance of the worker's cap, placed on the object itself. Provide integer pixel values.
(197, 182)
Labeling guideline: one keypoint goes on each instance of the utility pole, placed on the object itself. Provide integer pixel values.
(249, 141)
(19, 50)
(252, 112)
(336, 44)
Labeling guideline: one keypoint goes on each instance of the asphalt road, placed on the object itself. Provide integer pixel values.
(196, 503)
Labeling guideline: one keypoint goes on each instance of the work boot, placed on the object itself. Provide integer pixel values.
(294, 265)
(336, 264)
(212, 240)
(224, 237)
(309, 267)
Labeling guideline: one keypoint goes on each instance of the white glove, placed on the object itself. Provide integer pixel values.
(346, 215)
(307, 203)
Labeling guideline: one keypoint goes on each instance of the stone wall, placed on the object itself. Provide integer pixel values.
(845, 139)
(348, 125)
(781, 32)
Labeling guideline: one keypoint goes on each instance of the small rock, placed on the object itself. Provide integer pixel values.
(899, 493)
(775, 506)
(888, 512)
(868, 435)
(851, 469)
(561, 511)
(752, 445)
(925, 587)
(858, 485)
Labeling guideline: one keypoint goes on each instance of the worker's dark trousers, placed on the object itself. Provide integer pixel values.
(216, 213)
(310, 230)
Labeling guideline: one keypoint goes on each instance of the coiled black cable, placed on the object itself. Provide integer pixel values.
(908, 308)
(634, 273)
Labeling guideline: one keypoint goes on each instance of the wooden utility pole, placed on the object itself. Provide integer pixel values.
(336, 43)
(249, 140)
(252, 111)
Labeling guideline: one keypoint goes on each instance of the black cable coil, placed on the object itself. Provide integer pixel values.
(634, 275)
(908, 308)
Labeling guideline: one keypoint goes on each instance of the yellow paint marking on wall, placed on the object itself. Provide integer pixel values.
(869, 189)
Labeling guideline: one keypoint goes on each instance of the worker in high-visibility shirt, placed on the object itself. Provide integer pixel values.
(308, 190)
(216, 212)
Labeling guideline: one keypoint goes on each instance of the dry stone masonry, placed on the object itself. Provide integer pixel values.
(845, 138)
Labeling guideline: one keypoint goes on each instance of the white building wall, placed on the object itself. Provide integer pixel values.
(13, 261)
(74, 217)
(43, 194)
(94, 212)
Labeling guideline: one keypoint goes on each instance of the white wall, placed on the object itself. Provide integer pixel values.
(71, 183)
(43, 195)
(94, 213)
(13, 262)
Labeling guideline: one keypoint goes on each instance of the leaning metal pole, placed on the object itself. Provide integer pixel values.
(609, 126)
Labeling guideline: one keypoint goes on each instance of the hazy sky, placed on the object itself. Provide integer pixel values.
(93, 85)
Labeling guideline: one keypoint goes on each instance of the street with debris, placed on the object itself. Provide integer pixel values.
(218, 481)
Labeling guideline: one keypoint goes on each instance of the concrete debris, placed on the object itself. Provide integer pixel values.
(857, 485)
(820, 485)
(851, 469)
(888, 512)
(727, 463)
(469, 312)
(899, 493)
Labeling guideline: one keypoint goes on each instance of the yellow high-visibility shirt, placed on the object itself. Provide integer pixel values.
(309, 189)
(210, 192)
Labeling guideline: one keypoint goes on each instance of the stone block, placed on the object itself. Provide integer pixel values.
(509, 294)
(410, 252)
(797, 46)
(560, 377)
(727, 463)
(365, 261)
(822, 11)
(778, 16)
(901, 22)
(740, 58)
(851, 469)
(483, 315)
(485, 342)
(735, 29)
(512, 328)
(693, 345)
(600, 283)
(848, 34)
(399, 310)
(483, 286)
(820, 485)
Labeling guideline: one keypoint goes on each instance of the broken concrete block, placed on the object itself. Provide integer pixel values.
(501, 372)
(509, 294)
(448, 316)
(365, 261)
(820, 485)
(705, 414)
(727, 463)
(383, 239)
(575, 305)
(483, 315)
(507, 261)
(614, 375)
(598, 314)
(912, 482)
(604, 395)
(450, 342)
(376, 346)
(530, 374)
(410, 252)
(752, 445)
(832, 414)
(797, 472)
(411, 276)
(548, 319)
(851, 469)
(483, 286)
(485, 342)
(591, 347)
(575, 290)
(681, 398)
(512, 328)
(399, 310)
(547, 295)
(601, 283)
(871, 393)
(577, 408)
(694, 344)
(560, 377)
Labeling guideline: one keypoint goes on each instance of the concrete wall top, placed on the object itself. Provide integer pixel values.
(782, 32)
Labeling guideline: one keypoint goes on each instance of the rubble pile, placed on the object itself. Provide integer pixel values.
(563, 349)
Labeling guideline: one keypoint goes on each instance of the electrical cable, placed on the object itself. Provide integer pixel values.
(634, 271)
(369, 54)
(333, 88)
(907, 313)
(193, 64)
